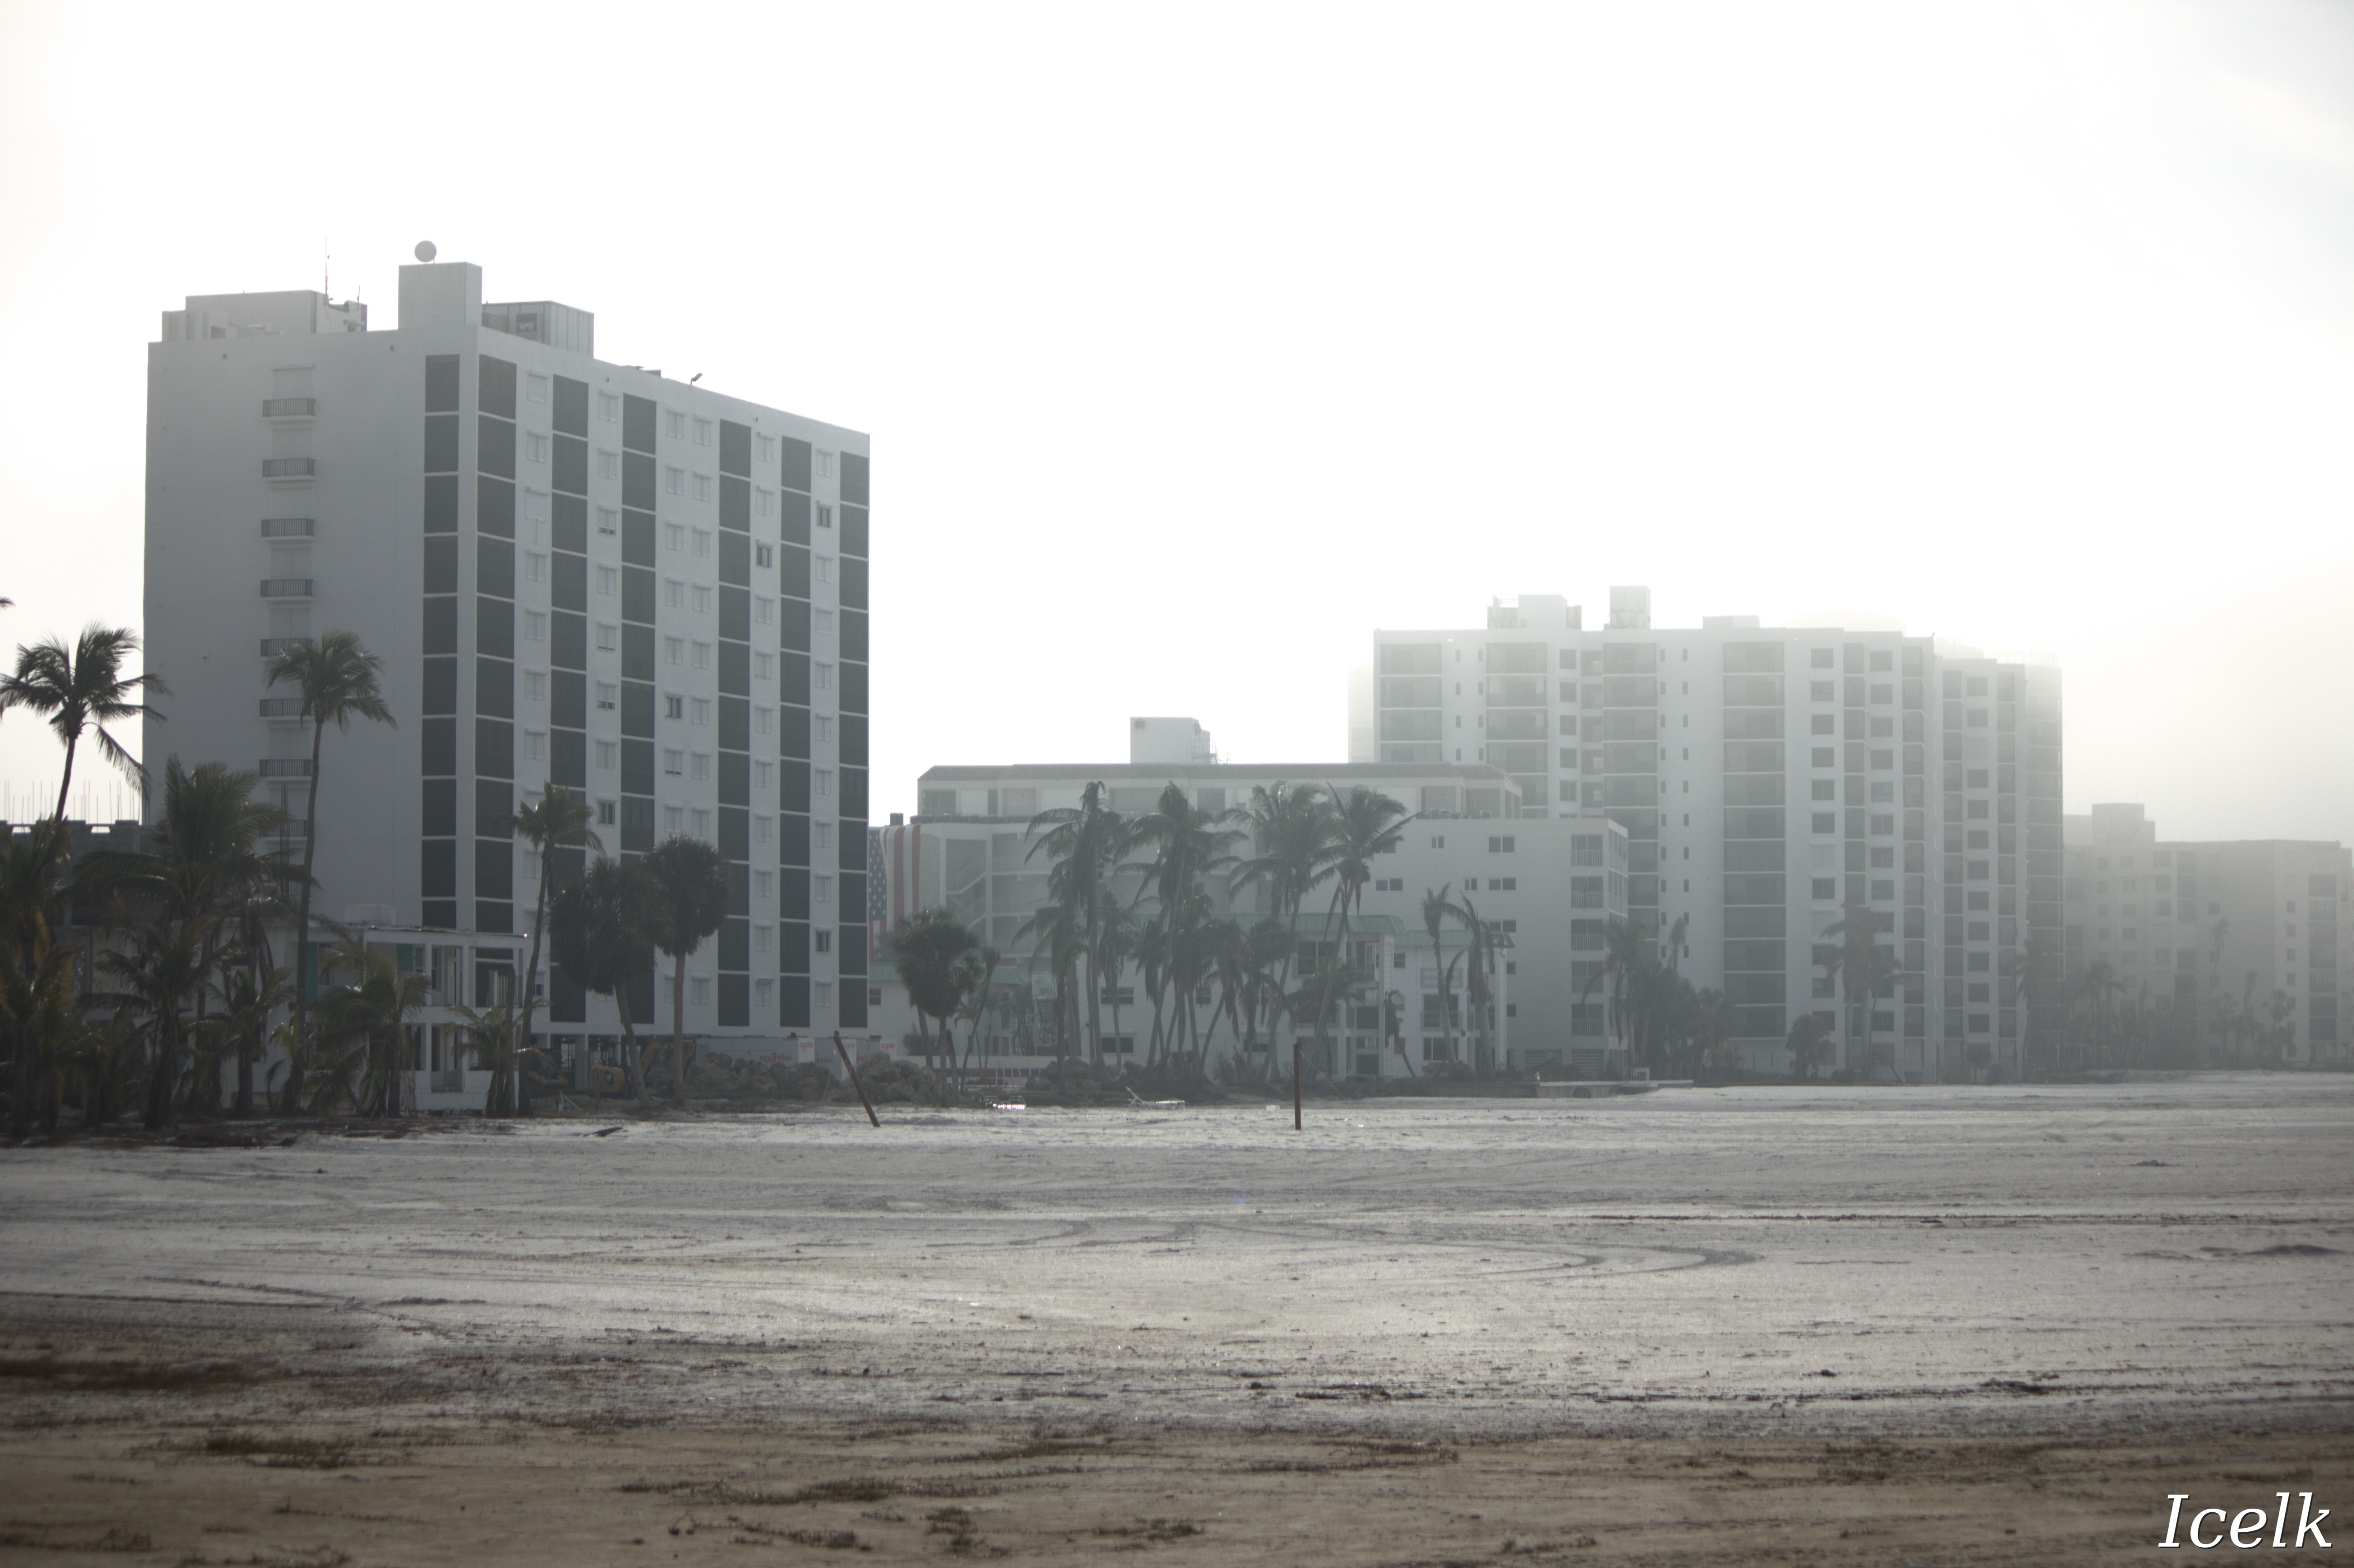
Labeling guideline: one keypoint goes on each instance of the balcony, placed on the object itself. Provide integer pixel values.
(286, 768)
(289, 470)
(288, 408)
(271, 647)
(282, 707)
(287, 527)
(286, 587)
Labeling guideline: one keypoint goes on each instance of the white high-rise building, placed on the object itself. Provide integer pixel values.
(1769, 779)
(574, 572)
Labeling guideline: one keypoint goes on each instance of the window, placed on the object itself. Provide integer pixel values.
(674, 763)
(534, 507)
(825, 835)
(675, 423)
(825, 516)
(699, 989)
(674, 482)
(764, 884)
(674, 535)
(1504, 884)
(766, 447)
(609, 697)
(673, 649)
(703, 487)
(703, 432)
(763, 939)
(1826, 789)
(764, 721)
(700, 711)
(763, 830)
(535, 626)
(825, 568)
(825, 676)
(824, 464)
(764, 504)
(699, 597)
(534, 746)
(1825, 891)
(825, 623)
(674, 820)
(1823, 724)
(1826, 822)
(701, 538)
(674, 706)
(761, 774)
(608, 407)
(1499, 846)
(763, 666)
(825, 781)
(608, 756)
(1824, 757)
(608, 813)
(535, 447)
(535, 566)
(609, 464)
(609, 521)
(535, 686)
(702, 655)
(608, 584)
(699, 767)
(1438, 842)
(822, 888)
(826, 727)
(822, 991)
(1819, 691)
(675, 592)
(764, 610)
(535, 388)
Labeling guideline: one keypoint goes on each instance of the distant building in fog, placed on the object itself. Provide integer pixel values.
(2222, 927)
(1768, 778)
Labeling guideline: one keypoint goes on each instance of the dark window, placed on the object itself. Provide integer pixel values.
(441, 808)
(793, 733)
(794, 629)
(793, 678)
(441, 382)
(441, 686)
(853, 635)
(567, 758)
(494, 628)
(494, 688)
(569, 469)
(638, 767)
(440, 626)
(638, 538)
(571, 407)
(440, 443)
(494, 450)
(735, 559)
(734, 504)
(497, 386)
(638, 424)
(570, 527)
(441, 504)
(793, 520)
(494, 567)
(638, 594)
(493, 749)
(567, 639)
(494, 806)
(567, 587)
(736, 613)
(853, 688)
(853, 741)
(638, 481)
(437, 869)
(437, 747)
(853, 531)
(494, 507)
(441, 564)
(568, 699)
(794, 468)
(793, 572)
(637, 653)
(853, 584)
(637, 824)
(734, 447)
(493, 868)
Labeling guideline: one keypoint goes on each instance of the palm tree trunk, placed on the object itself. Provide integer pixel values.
(304, 967)
(65, 783)
(632, 1056)
(678, 1030)
(531, 974)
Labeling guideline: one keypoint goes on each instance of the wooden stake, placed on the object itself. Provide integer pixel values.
(849, 1067)
(1295, 1083)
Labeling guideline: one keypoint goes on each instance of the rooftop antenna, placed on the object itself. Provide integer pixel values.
(325, 268)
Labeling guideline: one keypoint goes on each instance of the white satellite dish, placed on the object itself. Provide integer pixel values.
(425, 250)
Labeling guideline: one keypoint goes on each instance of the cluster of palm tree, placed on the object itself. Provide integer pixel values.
(1652, 1012)
(2113, 1024)
(1131, 895)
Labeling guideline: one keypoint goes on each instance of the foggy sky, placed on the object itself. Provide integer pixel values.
(1196, 343)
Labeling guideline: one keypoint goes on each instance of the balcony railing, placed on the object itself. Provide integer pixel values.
(282, 707)
(286, 587)
(271, 647)
(288, 408)
(289, 467)
(286, 768)
(287, 527)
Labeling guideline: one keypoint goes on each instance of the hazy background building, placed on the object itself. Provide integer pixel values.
(575, 573)
(2241, 937)
(1768, 778)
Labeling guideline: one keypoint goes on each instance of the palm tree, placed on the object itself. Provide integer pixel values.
(36, 892)
(372, 1009)
(166, 965)
(1187, 843)
(337, 679)
(1082, 845)
(560, 820)
(249, 998)
(1863, 969)
(1363, 825)
(1479, 957)
(976, 974)
(1809, 1041)
(602, 930)
(82, 689)
(928, 947)
(1289, 827)
(1436, 910)
(497, 1044)
(693, 905)
(1625, 950)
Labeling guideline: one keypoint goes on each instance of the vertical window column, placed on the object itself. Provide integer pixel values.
(851, 909)
(793, 733)
(494, 644)
(638, 454)
(567, 589)
(736, 720)
(438, 728)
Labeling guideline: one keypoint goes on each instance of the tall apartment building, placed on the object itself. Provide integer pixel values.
(1768, 778)
(575, 573)
(2218, 927)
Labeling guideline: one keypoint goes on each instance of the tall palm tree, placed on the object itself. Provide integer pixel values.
(1362, 826)
(165, 966)
(1289, 825)
(1186, 844)
(693, 905)
(1624, 952)
(82, 689)
(372, 1008)
(560, 820)
(602, 929)
(1478, 989)
(338, 681)
(1436, 908)
(1863, 969)
(36, 892)
(1083, 845)
(928, 947)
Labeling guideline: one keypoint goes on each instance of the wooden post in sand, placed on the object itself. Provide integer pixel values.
(848, 1067)
(1295, 1083)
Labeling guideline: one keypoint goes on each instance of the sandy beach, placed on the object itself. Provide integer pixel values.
(1746, 1325)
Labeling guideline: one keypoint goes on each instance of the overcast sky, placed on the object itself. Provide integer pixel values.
(1197, 341)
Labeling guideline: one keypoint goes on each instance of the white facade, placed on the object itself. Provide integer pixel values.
(1768, 778)
(572, 571)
